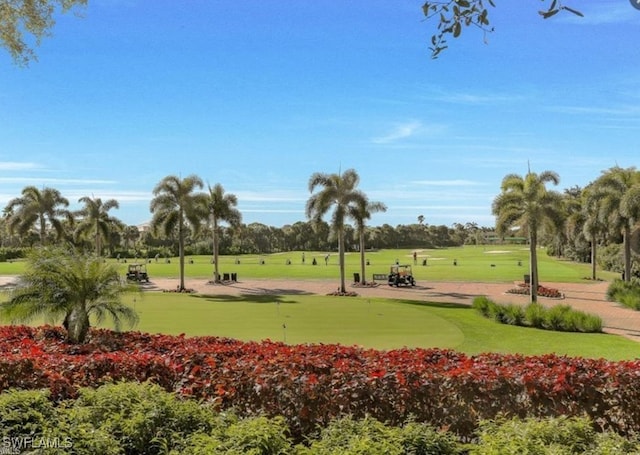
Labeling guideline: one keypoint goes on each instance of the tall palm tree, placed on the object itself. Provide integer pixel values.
(339, 191)
(175, 204)
(95, 220)
(221, 207)
(592, 226)
(526, 202)
(36, 208)
(70, 285)
(618, 190)
(360, 213)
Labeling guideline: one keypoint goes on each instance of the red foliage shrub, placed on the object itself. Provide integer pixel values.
(543, 291)
(312, 384)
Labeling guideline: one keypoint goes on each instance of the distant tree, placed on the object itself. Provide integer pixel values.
(37, 209)
(35, 17)
(93, 220)
(360, 213)
(618, 193)
(453, 15)
(131, 235)
(221, 207)
(64, 284)
(338, 191)
(175, 204)
(420, 220)
(525, 202)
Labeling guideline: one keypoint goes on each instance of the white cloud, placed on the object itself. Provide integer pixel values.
(446, 183)
(17, 166)
(401, 131)
(57, 181)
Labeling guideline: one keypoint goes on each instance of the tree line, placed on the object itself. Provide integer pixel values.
(186, 220)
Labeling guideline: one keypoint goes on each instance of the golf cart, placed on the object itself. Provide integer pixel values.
(137, 272)
(401, 274)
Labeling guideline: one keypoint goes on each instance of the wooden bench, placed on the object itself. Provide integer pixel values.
(380, 277)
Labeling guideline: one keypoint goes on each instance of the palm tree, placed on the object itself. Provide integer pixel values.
(592, 225)
(131, 235)
(175, 204)
(618, 191)
(221, 207)
(526, 202)
(338, 190)
(95, 220)
(36, 208)
(67, 284)
(360, 213)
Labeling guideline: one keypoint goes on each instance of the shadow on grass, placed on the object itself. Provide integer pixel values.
(444, 305)
(244, 298)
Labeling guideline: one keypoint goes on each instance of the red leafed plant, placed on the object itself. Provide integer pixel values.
(312, 384)
(543, 291)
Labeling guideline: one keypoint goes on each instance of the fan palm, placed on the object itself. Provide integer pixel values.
(221, 207)
(95, 220)
(338, 191)
(175, 204)
(36, 208)
(525, 202)
(65, 284)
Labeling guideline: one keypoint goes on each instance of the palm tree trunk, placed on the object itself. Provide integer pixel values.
(343, 287)
(98, 246)
(43, 231)
(181, 254)
(216, 273)
(77, 324)
(533, 266)
(627, 252)
(362, 259)
(594, 247)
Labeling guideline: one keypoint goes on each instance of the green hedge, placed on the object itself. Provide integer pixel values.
(132, 418)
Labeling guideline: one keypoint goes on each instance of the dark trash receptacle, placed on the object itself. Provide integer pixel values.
(225, 277)
(356, 277)
(527, 279)
(424, 262)
(234, 277)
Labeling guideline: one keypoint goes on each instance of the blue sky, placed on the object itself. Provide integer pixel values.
(258, 96)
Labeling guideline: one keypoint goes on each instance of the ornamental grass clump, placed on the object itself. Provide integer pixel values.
(560, 318)
(626, 293)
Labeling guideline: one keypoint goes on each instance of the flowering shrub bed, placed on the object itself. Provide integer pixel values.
(543, 291)
(311, 385)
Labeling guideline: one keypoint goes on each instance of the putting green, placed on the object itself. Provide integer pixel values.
(375, 323)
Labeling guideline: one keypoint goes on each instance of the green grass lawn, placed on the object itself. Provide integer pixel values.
(502, 263)
(498, 263)
(375, 323)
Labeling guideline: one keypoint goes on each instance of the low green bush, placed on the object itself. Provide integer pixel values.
(251, 436)
(556, 317)
(482, 305)
(559, 436)
(625, 292)
(561, 318)
(348, 436)
(534, 315)
(23, 413)
(142, 416)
